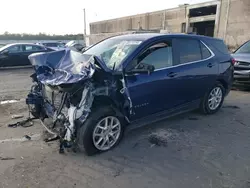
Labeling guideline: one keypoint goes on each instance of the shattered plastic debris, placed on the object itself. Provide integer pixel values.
(23, 139)
(27, 137)
(6, 158)
(23, 123)
(9, 101)
(16, 116)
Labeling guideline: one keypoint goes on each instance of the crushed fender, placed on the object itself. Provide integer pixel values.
(66, 85)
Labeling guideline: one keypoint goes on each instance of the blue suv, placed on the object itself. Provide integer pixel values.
(126, 80)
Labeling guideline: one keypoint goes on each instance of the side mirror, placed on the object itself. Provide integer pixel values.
(142, 69)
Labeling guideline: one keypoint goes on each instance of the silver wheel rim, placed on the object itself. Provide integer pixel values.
(106, 133)
(215, 98)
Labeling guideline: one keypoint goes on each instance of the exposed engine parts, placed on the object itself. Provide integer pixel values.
(66, 91)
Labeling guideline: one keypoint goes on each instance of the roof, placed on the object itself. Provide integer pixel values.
(141, 36)
(146, 36)
(12, 44)
(47, 42)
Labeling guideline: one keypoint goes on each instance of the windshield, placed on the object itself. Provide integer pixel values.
(245, 48)
(113, 51)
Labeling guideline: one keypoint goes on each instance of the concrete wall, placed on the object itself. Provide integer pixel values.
(232, 22)
(94, 38)
(153, 20)
(236, 29)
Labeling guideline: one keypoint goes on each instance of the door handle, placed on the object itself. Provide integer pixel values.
(210, 65)
(172, 74)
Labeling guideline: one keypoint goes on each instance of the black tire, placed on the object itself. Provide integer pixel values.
(85, 131)
(204, 106)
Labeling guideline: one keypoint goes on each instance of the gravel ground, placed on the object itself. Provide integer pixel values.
(189, 150)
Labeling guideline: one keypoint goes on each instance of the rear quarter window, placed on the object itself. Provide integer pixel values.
(220, 46)
(204, 51)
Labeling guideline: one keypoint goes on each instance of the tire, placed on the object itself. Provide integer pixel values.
(205, 108)
(85, 133)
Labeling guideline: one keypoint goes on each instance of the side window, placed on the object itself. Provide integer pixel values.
(31, 48)
(204, 51)
(189, 50)
(15, 49)
(28, 48)
(158, 55)
(38, 48)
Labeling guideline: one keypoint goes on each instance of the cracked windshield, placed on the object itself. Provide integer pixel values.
(113, 51)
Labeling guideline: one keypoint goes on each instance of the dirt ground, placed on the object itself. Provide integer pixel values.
(190, 150)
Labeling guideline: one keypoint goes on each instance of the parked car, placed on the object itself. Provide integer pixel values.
(17, 54)
(242, 64)
(74, 45)
(128, 80)
(53, 45)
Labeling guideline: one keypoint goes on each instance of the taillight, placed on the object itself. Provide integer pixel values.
(233, 61)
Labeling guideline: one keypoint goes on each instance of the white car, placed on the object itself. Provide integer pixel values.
(53, 45)
(74, 45)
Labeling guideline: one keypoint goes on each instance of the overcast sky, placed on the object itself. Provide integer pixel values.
(66, 16)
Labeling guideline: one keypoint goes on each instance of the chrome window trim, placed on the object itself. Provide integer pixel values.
(188, 63)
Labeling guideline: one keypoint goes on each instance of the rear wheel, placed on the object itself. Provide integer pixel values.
(213, 99)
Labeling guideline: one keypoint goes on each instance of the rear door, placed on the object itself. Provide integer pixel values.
(195, 69)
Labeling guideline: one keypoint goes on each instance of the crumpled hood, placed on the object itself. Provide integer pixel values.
(243, 57)
(62, 67)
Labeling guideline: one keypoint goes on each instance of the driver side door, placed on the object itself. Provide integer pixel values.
(154, 92)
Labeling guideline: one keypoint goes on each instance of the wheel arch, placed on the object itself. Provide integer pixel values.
(223, 83)
(104, 100)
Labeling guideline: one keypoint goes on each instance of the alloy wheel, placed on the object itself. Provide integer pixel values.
(215, 98)
(106, 133)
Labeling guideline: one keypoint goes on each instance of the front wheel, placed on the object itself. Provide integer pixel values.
(213, 99)
(102, 131)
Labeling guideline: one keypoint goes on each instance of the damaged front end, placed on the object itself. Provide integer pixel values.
(66, 84)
